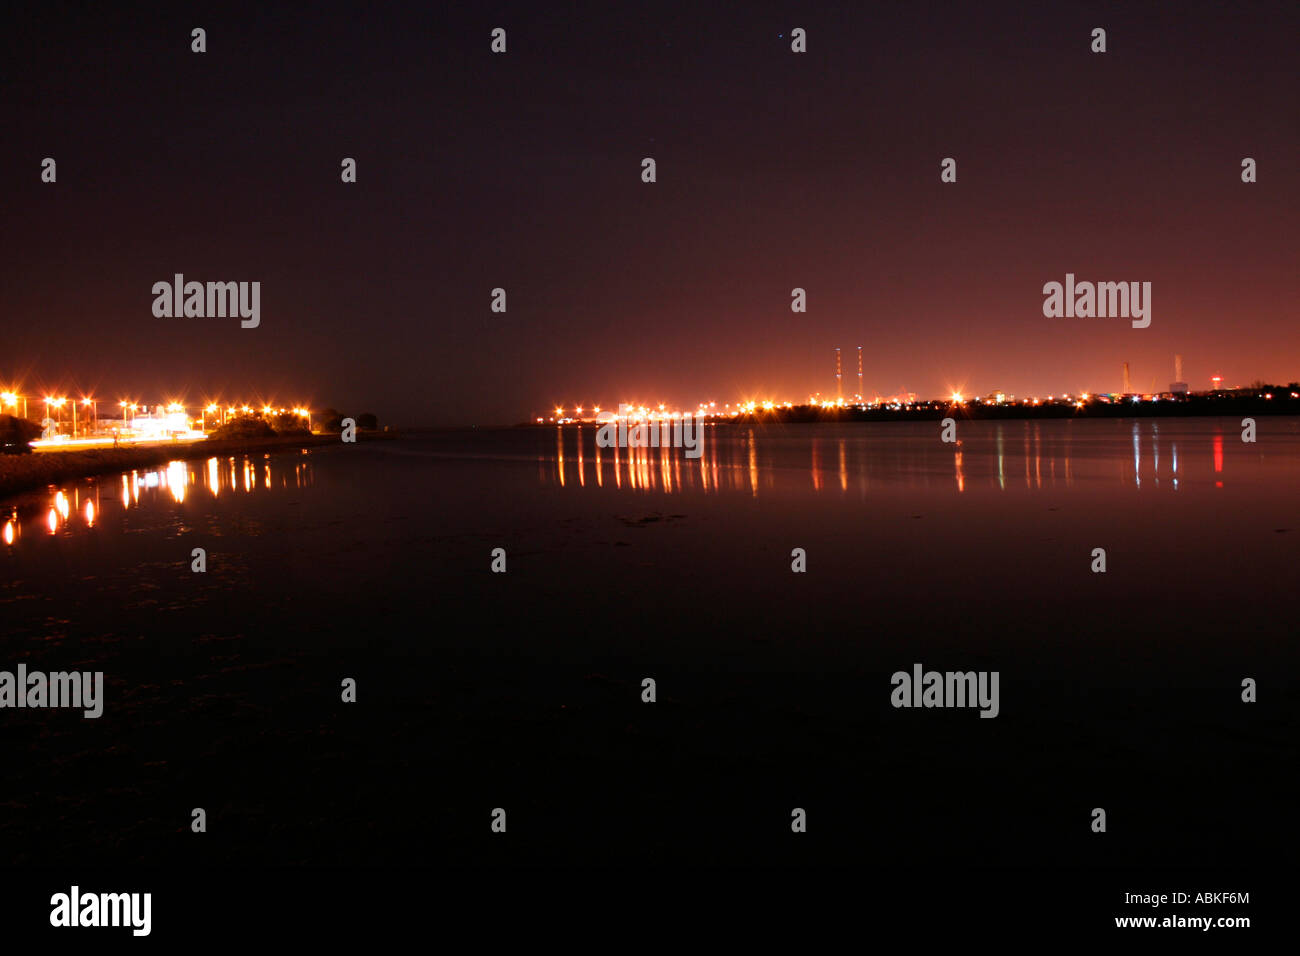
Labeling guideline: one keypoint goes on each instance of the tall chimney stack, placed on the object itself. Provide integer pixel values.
(839, 387)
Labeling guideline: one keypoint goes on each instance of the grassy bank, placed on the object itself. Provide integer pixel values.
(19, 473)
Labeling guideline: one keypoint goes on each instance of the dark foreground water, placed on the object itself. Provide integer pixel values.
(522, 690)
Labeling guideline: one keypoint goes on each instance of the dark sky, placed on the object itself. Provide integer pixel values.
(522, 171)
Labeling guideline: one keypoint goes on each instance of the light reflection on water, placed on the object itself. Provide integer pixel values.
(78, 507)
(997, 456)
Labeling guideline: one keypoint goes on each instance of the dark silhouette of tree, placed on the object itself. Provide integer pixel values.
(330, 420)
(244, 426)
(289, 424)
(15, 433)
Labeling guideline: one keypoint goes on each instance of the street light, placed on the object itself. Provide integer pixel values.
(57, 403)
(10, 399)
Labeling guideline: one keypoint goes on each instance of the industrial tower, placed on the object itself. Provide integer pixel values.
(1178, 386)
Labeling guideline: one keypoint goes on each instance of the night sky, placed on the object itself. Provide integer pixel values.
(523, 170)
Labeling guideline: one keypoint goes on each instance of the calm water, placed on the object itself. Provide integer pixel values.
(1184, 500)
(854, 460)
(372, 561)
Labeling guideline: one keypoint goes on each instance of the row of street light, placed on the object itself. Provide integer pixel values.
(54, 406)
(11, 400)
(233, 411)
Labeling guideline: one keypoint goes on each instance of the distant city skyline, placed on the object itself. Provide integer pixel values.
(637, 411)
(18, 397)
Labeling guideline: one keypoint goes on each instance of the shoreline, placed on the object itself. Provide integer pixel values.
(40, 469)
(974, 411)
